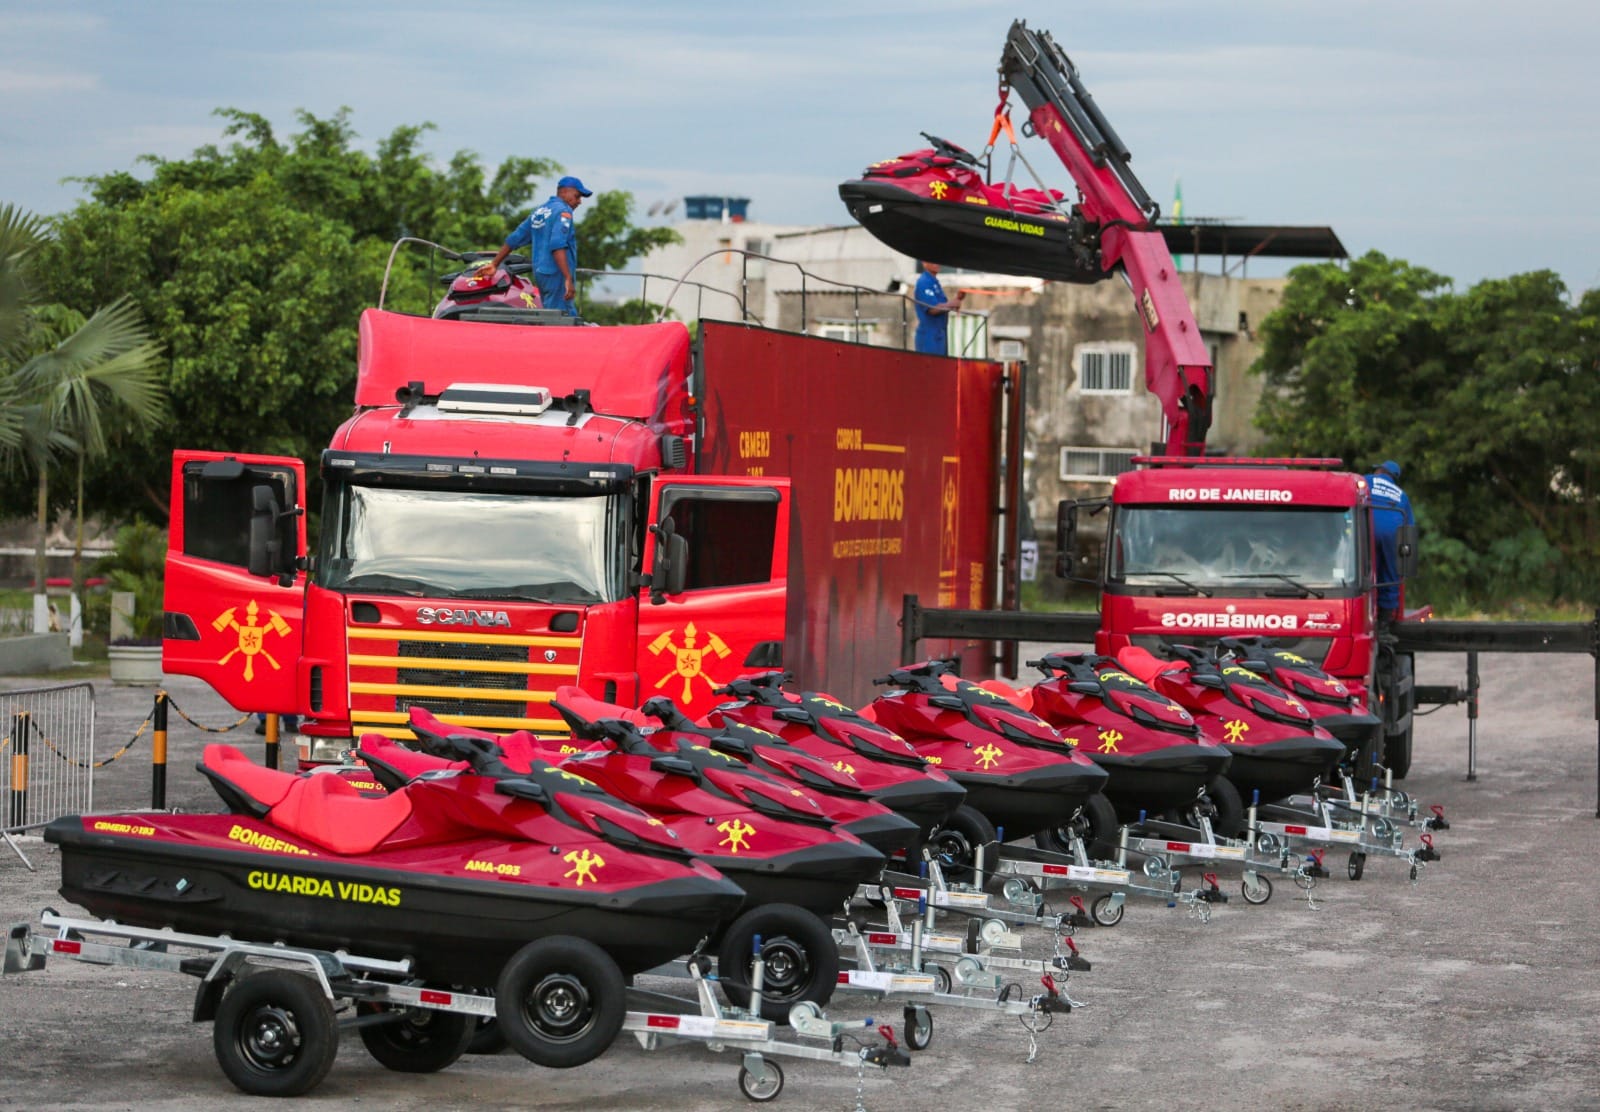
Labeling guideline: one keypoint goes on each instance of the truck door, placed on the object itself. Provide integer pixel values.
(234, 595)
(718, 558)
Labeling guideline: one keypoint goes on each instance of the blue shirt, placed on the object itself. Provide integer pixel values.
(1391, 508)
(548, 228)
(933, 329)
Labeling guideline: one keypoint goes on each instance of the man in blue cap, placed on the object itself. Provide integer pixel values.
(933, 311)
(549, 230)
(1391, 508)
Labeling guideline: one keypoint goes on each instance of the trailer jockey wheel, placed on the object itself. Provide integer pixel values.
(1256, 888)
(762, 1083)
(1357, 865)
(1105, 913)
(918, 1026)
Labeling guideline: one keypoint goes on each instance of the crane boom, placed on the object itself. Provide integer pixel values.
(1177, 367)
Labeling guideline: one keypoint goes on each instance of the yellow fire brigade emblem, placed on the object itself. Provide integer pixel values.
(1236, 729)
(1108, 741)
(938, 189)
(989, 755)
(583, 865)
(1292, 658)
(689, 661)
(738, 834)
(845, 767)
(252, 637)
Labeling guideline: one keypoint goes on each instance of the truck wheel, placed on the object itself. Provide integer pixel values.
(800, 955)
(956, 841)
(560, 1001)
(417, 1040)
(1397, 753)
(275, 1034)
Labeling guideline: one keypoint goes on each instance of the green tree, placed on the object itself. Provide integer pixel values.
(254, 259)
(69, 382)
(1487, 398)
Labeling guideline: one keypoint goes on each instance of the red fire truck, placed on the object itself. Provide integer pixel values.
(1198, 549)
(514, 507)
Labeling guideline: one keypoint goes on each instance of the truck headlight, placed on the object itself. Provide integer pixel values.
(322, 750)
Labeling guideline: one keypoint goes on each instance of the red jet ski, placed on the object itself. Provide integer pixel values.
(509, 286)
(887, 768)
(935, 204)
(1021, 775)
(1152, 748)
(540, 884)
(1332, 704)
(1277, 748)
(773, 840)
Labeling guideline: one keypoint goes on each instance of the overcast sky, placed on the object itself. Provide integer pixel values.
(1461, 135)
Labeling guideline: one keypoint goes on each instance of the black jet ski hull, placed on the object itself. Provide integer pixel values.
(1028, 802)
(977, 237)
(455, 929)
(1159, 779)
(1278, 769)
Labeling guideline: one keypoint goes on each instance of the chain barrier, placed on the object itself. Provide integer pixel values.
(243, 718)
(75, 763)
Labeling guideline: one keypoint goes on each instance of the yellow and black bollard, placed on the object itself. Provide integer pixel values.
(272, 741)
(17, 812)
(158, 753)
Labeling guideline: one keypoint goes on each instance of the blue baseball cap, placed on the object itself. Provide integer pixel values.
(1391, 467)
(574, 183)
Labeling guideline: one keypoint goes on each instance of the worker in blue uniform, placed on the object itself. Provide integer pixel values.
(549, 230)
(1391, 508)
(933, 311)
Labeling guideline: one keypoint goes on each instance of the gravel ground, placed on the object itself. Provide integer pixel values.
(1475, 988)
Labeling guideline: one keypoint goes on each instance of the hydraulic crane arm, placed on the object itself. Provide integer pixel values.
(1177, 368)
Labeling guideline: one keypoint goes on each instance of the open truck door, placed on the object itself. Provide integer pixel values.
(235, 585)
(717, 557)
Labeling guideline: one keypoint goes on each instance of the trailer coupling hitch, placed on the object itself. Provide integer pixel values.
(1438, 821)
(1080, 915)
(1427, 852)
(1050, 1000)
(891, 1053)
(1072, 960)
(1211, 893)
(1314, 868)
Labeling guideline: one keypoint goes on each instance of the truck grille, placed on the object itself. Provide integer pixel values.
(491, 681)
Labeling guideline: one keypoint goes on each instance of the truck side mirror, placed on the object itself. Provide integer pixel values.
(1066, 536)
(264, 547)
(670, 571)
(1405, 546)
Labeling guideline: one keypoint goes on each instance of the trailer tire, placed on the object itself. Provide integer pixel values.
(801, 956)
(954, 841)
(487, 1038)
(420, 1040)
(1095, 823)
(275, 1034)
(560, 1001)
(1229, 819)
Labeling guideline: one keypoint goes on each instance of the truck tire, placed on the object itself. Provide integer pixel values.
(1397, 743)
(1397, 753)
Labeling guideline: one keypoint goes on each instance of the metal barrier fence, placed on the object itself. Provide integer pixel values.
(46, 756)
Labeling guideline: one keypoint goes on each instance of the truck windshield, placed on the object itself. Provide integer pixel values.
(465, 544)
(1299, 551)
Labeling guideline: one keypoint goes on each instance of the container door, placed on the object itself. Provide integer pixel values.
(718, 557)
(235, 587)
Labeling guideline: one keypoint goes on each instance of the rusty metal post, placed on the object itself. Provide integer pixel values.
(158, 753)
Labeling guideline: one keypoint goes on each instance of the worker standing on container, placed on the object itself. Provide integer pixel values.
(1391, 508)
(933, 311)
(549, 229)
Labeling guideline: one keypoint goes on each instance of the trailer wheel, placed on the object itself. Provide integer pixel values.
(956, 840)
(1255, 888)
(801, 958)
(275, 1034)
(918, 1026)
(1357, 865)
(560, 1001)
(764, 1086)
(487, 1038)
(1095, 823)
(1229, 819)
(417, 1040)
(1104, 912)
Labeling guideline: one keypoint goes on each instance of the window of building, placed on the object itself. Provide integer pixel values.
(1091, 464)
(1010, 351)
(1105, 368)
(847, 330)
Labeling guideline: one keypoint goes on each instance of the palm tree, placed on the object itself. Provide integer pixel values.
(65, 381)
